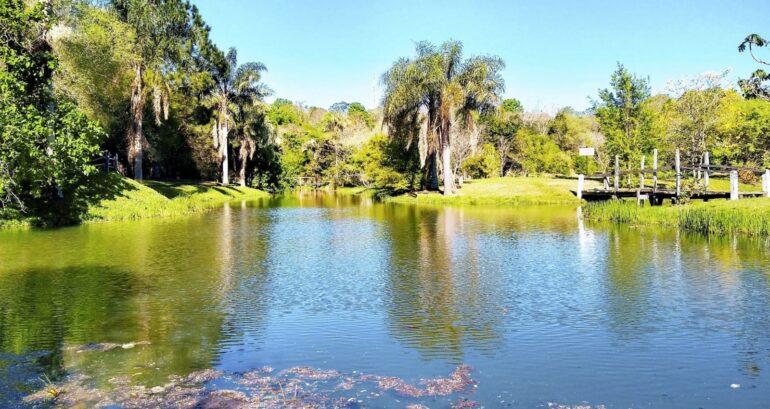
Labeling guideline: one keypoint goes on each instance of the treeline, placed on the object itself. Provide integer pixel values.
(142, 78)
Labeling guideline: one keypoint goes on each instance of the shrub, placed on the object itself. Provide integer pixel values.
(484, 164)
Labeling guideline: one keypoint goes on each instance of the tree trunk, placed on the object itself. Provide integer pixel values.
(135, 132)
(224, 151)
(431, 172)
(244, 162)
(446, 158)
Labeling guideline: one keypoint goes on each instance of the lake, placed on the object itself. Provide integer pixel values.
(545, 309)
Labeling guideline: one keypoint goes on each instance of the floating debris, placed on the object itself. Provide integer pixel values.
(735, 385)
(312, 373)
(297, 387)
(466, 404)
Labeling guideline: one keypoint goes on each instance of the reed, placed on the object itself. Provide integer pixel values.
(750, 216)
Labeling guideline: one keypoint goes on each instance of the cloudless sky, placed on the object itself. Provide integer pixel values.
(557, 53)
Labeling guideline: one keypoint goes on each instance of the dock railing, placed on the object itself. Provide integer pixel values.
(656, 192)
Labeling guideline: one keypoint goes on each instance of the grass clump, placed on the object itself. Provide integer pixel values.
(747, 216)
(506, 191)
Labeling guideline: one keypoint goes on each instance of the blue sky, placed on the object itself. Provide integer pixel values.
(557, 53)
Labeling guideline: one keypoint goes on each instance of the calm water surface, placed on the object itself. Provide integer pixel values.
(543, 307)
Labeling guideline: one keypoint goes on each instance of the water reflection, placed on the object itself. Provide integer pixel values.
(531, 297)
(437, 301)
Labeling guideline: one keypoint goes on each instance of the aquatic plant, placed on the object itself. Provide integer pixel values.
(750, 216)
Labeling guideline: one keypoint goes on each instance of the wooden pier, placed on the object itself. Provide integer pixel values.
(655, 193)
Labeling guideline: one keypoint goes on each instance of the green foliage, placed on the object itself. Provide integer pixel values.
(755, 86)
(358, 113)
(387, 164)
(743, 130)
(284, 112)
(512, 105)
(45, 143)
(622, 118)
(100, 90)
(484, 164)
(537, 153)
(450, 89)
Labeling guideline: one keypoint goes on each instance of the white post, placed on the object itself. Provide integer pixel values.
(641, 176)
(706, 172)
(580, 186)
(733, 185)
(617, 176)
(678, 176)
(766, 183)
(654, 171)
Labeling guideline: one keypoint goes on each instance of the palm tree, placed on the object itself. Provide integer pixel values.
(441, 90)
(236, 88)
(160, 27)
(253, 132)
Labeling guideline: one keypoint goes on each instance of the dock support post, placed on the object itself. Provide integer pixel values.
(733, 185)
(766, 183)
(707, 164)
(617, 176)
(580, 186)
(654, 175)
(678, 176)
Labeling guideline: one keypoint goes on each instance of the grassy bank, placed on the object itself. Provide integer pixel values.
(508, 191)
(748, 216)
(111, 197)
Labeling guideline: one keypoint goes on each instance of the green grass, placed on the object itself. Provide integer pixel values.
(507, 191)
(111, 197)
(164, 199)
(746, 216)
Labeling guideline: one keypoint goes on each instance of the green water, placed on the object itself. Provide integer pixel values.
(544, 308)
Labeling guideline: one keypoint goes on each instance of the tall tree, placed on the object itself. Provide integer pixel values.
(161, 28)
(754, 86)
(254, 133)
(695, 113)
(46, 144)
(438, 82)
(621, 115)
(236, 88)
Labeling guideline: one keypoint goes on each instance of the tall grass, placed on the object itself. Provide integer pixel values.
(748, 216)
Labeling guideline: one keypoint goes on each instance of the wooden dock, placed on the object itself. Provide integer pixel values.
(657, 192)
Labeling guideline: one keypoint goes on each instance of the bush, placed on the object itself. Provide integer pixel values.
(539, 154)
(484, 164)
(748, 177)
(387, 164)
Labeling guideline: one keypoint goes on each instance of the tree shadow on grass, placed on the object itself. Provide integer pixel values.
(73, 209)
(177, 188)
